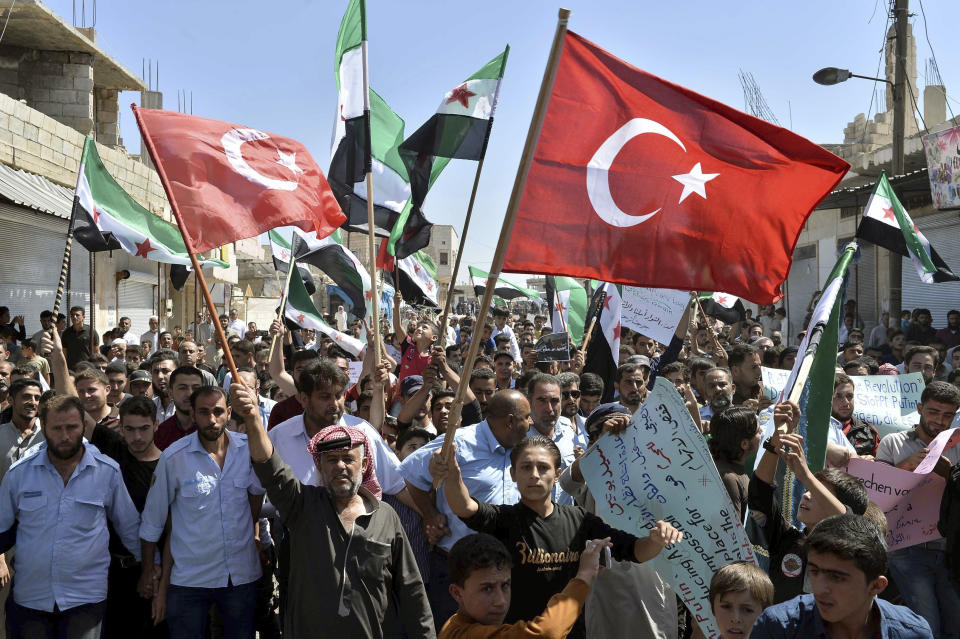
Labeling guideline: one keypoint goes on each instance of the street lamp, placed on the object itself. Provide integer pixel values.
(832, 75)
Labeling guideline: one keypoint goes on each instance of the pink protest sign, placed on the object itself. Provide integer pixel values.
(911, 500)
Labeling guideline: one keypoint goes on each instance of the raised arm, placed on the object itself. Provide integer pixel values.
(795, 459)
(786, 416)
(51, 348)
(397, 320)
(277, 372)
(458, 497)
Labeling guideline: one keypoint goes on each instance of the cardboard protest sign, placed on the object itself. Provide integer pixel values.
(655, 312)
(660, 469)
(554, 347)
(774, 381)
(889, 402)
(910, 500)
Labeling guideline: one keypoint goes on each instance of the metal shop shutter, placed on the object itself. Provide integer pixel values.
(136, 300)
(31, 248)
(943, 232)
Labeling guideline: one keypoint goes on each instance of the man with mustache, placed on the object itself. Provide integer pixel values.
(61, 495)
(921, 571)
(350, 560)
(206, 483)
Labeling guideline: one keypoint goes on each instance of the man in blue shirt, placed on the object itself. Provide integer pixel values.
(846, 559)
(60, 495)
(483, 454)
(206, 483)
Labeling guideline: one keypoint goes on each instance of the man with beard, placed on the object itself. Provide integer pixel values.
(206, 483)
(631, 385)
(61, 497)
(744, 362)
(862, 436)
(570, 404)
(162, 365)
(350, 560)
(949, 334)
(923, 360)
(23, 430)
(183, 382)
(134, 450)
(718, 392)
(921, 571)
(483, 384)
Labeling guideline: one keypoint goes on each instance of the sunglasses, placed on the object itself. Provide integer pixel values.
(575, 394)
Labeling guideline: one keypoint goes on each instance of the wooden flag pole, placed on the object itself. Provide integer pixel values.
(463, 239)
(513, 206)
(221, 335)
(93, 304)
(371, 240)
(281, 312)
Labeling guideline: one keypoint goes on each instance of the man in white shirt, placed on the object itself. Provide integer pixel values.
(236, 324)
(131, 338)
(152, 335)
(341, 317)
(500, 326)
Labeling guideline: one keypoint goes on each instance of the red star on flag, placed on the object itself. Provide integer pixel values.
(560, 307)
(300, 318)
(606, 303)
(722, 299)
(96, 214)
(416, 269)
(144, 248)
(337, 337)
(284, 254)
(368, 294)
(462, 95)
(889, 215)
(616, 332)
(430, 287)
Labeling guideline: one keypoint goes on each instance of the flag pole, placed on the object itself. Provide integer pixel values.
(282, 311)
(93, 303)
(371, 240)
(513, 206)
(221, 335)
(463, 237)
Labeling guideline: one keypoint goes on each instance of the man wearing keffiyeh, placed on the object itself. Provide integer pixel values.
(349, 557)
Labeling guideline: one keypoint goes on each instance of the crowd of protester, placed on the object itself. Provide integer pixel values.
(147, 493)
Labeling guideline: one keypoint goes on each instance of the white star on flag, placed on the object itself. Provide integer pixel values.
(694, 181)
(289, 160)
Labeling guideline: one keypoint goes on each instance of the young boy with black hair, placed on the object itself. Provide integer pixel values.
(829, 492)
(481, 584)
(545, 539)
(846, 558)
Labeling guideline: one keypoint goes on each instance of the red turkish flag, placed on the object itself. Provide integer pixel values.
(231, 182)
(639, 181)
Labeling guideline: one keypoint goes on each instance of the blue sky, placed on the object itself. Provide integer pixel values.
(269, 65)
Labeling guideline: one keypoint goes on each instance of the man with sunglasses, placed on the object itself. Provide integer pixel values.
(543, 392)
(570, 406)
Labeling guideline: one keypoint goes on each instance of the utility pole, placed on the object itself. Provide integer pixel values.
(900, 14)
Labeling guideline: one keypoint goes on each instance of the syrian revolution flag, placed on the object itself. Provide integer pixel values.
(330, 255)
(568, 299)
(603, 355)
(418, 279)
(107, 218)
(280, 251)
(726, 308)
(300, 309)
(459, 129)
(504, 289)
(639, 181)
(887, 224)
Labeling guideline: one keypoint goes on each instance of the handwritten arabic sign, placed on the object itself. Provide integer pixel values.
(660, 468)
(910, 500)
(655, 312)
(774, 381)
(943, 166)
(889, 402)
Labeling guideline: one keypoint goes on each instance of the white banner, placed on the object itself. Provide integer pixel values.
(655, 312)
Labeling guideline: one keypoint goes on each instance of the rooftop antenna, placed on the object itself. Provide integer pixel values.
(753, 98)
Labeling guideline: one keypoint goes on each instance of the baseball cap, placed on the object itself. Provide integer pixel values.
(410, 385)
(642, 360)
(140, 376)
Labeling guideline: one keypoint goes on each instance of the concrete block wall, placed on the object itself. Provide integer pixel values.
(38, 143)
(59, 84)
(106, 113)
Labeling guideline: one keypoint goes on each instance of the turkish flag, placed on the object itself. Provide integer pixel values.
(231, 182)
(639, 181)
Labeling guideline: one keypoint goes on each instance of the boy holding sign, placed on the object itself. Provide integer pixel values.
(545, 539)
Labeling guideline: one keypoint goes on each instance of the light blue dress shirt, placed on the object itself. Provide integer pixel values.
(484, 467)
(62, 539)
(211, 535)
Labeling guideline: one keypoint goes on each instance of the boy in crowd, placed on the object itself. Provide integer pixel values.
(739, 592)
(480, 582)
(846, 560)
(829, 492)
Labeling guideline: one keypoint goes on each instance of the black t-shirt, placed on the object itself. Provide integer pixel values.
(77, 344)
(788, 555)
(546, 551)
(137, 475)
(470, 414)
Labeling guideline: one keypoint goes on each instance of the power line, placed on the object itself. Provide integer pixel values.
(933, 55)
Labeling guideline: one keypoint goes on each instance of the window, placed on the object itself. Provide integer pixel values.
(805, 252)
(444, 258)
